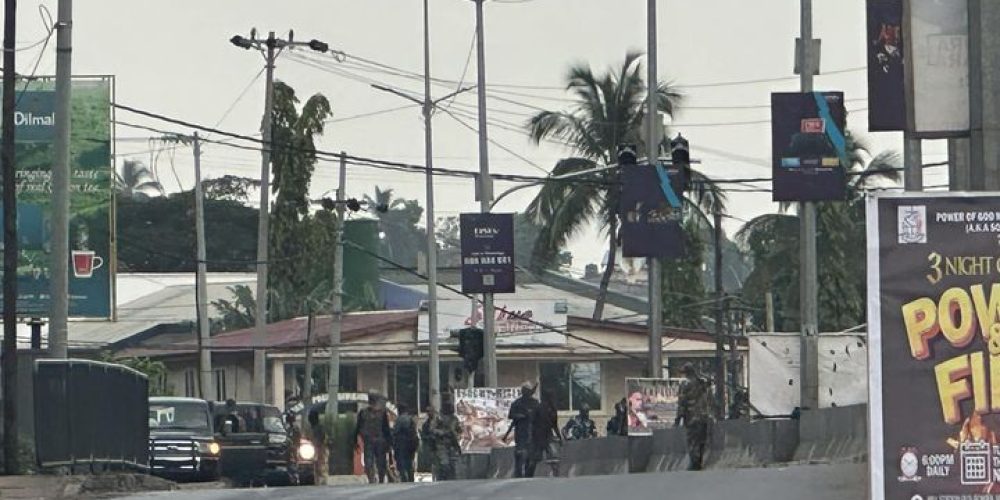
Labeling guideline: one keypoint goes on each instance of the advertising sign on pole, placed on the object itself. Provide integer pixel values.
(483, 414)
(886, 74)
(518, 322)
(652, 404)
(808, 146)
(91, 178)
(650, 213)
(937, 41)
(934, 345)
(487, 252)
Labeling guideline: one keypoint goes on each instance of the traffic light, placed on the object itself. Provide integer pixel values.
(470, 347)
(680, 157)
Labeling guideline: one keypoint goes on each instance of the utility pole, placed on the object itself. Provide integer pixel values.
(336, 321)
(653, 154)
(432, 321)
(769, 311)
(485, 197)
(809, 356)
(307, 382)
(270, 47)
(260, 320)
(720, 369)
(59, 260)
(204, 352)
(10, 250)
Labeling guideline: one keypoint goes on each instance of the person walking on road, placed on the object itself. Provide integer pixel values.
(446, 430)
(427, 442)
(580, 426)
(694, 410)
(522, 416)
(373, 428)
(545, 437)
(405, 443)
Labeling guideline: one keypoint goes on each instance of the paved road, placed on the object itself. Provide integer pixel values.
(814, 482)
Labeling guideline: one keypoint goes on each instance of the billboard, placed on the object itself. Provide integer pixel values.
(934, 345)
(808, 146)
(483, 414)
(487, 253)
(652, 404)
(937, 37)
(886, 74)
(91, 261)
(517, 321)
(650, 213)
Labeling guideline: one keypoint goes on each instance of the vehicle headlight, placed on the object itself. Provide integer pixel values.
(307, 451)
(276, 438)
(210, 448)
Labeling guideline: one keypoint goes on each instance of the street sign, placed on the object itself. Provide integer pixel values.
(934, 345)
(886, 54)
(808, 146)
(487, 252)
(651, 224)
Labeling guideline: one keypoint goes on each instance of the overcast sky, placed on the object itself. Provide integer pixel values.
(174, 58)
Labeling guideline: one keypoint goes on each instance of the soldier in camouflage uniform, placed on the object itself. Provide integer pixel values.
(694, 409)
(446, 431)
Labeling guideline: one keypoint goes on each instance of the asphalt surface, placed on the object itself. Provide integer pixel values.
(813, 482)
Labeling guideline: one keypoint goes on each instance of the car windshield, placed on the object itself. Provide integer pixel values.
(178, 416)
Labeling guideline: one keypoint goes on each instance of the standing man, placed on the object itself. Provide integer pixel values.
(373, 427)
(580, 426)
(321, 467)
(694, 410)
(427, 440)
(405, 443)
(545, 435)
(446, 430)
(522, 416)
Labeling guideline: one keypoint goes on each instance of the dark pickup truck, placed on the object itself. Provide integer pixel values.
(258, 448)
(182, 443)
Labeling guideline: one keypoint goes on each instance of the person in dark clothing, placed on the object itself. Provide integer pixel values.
(373, 428)
(694, 410)
(405, 443)
(545, 435)
(580, 426)
(618, 424)
(522, 416)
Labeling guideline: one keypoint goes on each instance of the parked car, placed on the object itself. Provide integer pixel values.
(182, 444)
(258, 448)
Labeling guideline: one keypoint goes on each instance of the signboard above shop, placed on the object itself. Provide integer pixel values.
(487, 253)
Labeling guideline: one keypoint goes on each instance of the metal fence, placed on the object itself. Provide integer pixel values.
(90, 414)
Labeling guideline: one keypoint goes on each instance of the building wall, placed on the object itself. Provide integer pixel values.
(238, 377)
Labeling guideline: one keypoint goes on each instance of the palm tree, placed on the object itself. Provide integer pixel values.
(772, 241)
(136, 180)
(397, 219)
(609, 111)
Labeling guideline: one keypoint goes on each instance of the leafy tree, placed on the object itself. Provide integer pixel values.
(155, 371)
(609, 111)
(136, 180)
(294, 254)
(230, 187)
(398, 219)
(772, 242)
(683, 279)
(238, 313)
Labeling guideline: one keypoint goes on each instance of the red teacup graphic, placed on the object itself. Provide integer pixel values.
(85, 262)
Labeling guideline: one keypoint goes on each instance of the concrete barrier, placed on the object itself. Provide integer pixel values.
(833, 435)
(639, 450)
(595, 457)
(745, 443)
(501, 463)
(668, 451)
(473, 466)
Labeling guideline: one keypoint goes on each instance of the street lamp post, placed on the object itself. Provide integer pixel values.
(270, 47)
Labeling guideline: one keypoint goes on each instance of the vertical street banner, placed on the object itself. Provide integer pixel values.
(886, 75)
(934, 345)
(483, 414)
(808, 146)
(487, 252)
(652, 404)
(937, 37)
(91, 179)
(650, 213)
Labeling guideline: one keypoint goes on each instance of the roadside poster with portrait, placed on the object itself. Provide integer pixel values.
(934, 345)
(652, 404)
(483, 414)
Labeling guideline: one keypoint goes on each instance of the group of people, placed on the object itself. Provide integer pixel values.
(390, 450)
